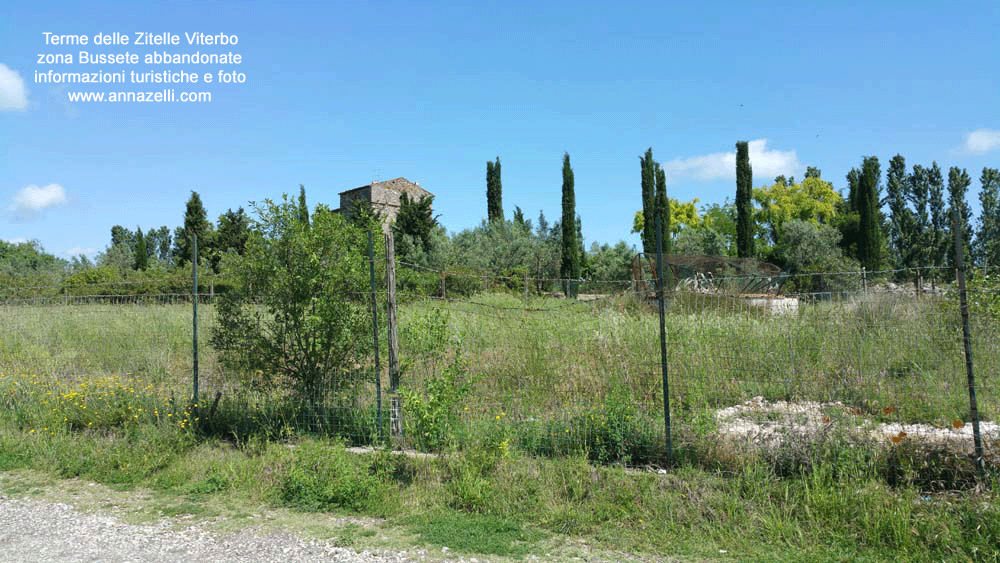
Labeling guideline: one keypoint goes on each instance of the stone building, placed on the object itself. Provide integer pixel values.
(384, 197)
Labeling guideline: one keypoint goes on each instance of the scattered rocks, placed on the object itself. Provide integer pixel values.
(768, 424)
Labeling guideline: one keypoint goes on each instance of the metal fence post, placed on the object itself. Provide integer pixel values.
(977, 438)
(663, 337)
(194, 303)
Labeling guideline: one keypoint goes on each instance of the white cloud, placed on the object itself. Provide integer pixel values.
(981, 141)
(17, 240)
(722, 165)
(34, 198)
(13, 94)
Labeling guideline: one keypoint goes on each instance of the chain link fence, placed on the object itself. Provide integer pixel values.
(876, 363)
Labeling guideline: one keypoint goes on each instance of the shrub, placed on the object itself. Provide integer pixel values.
(322, 477)
(297, 314)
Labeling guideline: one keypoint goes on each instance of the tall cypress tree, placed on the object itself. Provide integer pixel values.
(489, 191)
(744, 201)
(498, 183)
(494, 191)
(570, 264)
(303, 208)
(870, 243)
(141, 252)
(647, 169)
(849, 223)
(662, 209)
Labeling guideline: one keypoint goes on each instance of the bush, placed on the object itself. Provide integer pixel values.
(322, 477)
(298, 314)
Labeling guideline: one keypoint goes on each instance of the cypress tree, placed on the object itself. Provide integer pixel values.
(498, 187)
(870, 243)
(662, 209)
(569, 268)
(744, 201)
(141, 254)
(647, 169)
(489, 191)
(303, 208)
(494, 191)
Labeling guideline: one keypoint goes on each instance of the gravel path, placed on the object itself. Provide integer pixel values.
(39, 531)
(72, 521)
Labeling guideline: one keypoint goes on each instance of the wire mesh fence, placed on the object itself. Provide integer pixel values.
(875, 364)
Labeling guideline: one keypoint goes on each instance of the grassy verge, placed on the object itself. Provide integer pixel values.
(495, 501)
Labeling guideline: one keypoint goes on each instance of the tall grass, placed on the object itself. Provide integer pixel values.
(573, 376)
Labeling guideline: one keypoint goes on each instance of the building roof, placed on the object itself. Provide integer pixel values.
(399, 185)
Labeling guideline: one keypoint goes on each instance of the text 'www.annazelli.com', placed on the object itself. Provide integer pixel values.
(167, 95)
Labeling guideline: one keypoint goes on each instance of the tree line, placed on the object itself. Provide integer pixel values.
(802, 226)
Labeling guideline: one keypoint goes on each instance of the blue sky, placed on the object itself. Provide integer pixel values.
(338, 94)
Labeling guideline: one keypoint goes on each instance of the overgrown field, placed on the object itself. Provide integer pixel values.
(548, 418)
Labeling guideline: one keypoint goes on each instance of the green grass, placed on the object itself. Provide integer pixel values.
(553, 399)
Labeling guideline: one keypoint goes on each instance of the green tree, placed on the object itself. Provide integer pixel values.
(362, 214)
(141, 253)
(870, 240)
(569, 269)
(290, 317)
(494, 191)
(901, 219)
(544, 229)
(958, 186)
(120, 256)
(520, 220)
(610, 266)
(938, 242)
(661, 209)
(416, 220)
(123, 237)
(158, 242)
(233, 230)
(814, 199)
(27, 264)
(988, 234)
(196, 223)
(744, 201)
(647, 168)
(303, 207)
(918, 195)
(808, 247)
